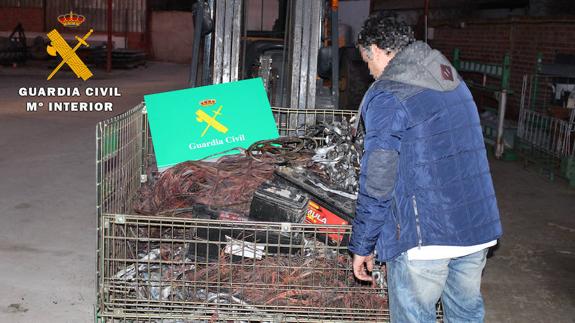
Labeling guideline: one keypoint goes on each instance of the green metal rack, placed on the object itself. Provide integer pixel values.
(495, 79)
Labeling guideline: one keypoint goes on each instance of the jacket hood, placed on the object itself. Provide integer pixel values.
(419, 65)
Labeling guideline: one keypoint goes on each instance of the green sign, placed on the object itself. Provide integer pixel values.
(195, 123)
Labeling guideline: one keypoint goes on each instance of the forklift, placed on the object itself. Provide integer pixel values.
(295, 59)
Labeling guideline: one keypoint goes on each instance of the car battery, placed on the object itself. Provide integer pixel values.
(278, 200)
(319, 214)
(324, 207)
(211, 238)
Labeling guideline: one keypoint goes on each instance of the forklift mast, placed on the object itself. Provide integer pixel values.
(296, 70)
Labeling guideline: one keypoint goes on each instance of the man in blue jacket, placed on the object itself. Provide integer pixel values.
(426, 203)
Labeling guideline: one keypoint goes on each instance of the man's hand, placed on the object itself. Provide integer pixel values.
(362, 265)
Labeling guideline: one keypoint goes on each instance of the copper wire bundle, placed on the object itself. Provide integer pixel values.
(324, 282)
(294, 281)
(228, 183)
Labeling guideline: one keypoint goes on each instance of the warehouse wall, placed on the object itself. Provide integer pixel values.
(127, 15)
(488, 41)
(172, 34)
(129, 18)
(32, 19)
(353, 14)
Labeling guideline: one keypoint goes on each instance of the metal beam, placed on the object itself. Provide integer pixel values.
(235, 43)
(335, 53)
(219, 41)
(295, 51)
(198, 22)
(305, 53)
(227, 40)
(314, 42)
(226, 62)
(208, 49)
(109, 43)
(304, 47)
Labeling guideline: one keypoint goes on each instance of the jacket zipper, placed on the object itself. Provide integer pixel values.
(418, 228)
(395, 216)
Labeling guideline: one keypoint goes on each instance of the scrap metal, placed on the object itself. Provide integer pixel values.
(282, 150)
(340, 155)
(165, 274)
(228, 185)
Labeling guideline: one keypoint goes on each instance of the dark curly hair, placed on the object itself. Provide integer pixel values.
(386, 32)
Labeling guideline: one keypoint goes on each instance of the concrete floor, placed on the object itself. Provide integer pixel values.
(48, 218)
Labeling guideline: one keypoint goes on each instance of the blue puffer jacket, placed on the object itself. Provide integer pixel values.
(424, 178)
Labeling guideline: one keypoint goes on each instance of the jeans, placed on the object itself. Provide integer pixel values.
(415, 286)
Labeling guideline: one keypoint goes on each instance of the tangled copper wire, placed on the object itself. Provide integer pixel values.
(227, 184)
(281, 150)
(292, 281)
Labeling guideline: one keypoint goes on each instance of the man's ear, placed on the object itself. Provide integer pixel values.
(365, 53)
(376, 51)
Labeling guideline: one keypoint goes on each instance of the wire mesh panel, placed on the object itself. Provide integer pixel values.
(544, 120)
(122, 147)
(546, 127)
(546, 133)
(296, 122)
(159, 268)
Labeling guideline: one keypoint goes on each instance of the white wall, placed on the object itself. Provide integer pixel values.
(353, 14)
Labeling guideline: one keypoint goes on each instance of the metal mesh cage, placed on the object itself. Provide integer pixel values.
(186, 269)
(546, 128)
(544, 124)
(122, 149)
(296, 122)
(161, 269)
